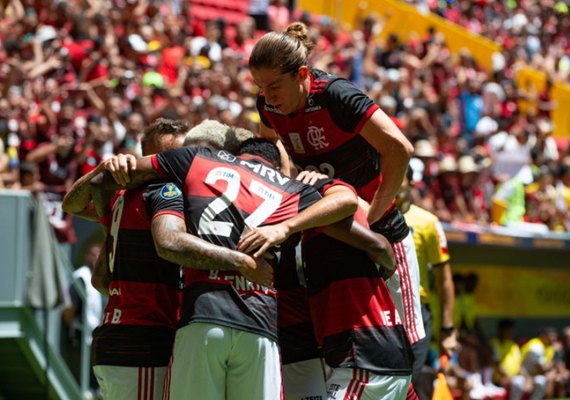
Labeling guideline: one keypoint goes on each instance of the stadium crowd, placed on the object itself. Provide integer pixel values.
(80, 81)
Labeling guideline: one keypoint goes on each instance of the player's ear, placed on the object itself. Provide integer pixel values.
(303, 72)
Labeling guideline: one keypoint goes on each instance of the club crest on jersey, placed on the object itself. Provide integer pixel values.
(170, 191)
(224, 155)
(316, 138)
(297, 143)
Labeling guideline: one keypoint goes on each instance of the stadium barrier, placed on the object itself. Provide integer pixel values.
(30, 294)
(521, 276)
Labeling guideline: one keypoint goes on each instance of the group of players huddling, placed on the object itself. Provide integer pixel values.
(294, 283)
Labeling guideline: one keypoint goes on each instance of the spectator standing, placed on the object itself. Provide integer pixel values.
(82, 317)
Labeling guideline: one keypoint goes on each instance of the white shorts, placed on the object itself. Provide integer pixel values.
(130, 383)
(359, 384)
(404, 287)
(217, 362)
(304, 380)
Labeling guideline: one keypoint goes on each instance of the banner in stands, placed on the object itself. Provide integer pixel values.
(518, 291)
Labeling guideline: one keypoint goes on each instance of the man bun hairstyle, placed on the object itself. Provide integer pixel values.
(284, 51)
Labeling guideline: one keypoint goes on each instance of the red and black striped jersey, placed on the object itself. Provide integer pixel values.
(325, 136)
(354, 317)
(224, 196)
(141, 315)
(296, 335)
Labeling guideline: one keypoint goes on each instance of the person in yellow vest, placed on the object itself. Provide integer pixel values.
(537, 359)
(507, 354)
(431, 249)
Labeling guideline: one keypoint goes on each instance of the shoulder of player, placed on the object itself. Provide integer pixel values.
(331, 85)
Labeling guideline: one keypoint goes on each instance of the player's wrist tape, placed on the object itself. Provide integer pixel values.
(448, 330)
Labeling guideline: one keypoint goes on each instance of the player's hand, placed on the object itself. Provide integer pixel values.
(258, 270)
(262, 239)
(310, 177)
(119, 166)
(448, 343)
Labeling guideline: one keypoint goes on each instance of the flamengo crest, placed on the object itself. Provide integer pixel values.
(316, 138)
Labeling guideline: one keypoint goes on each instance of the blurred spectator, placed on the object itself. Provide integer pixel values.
(446, 191)
(279, 15)
(98, 72)
(507, 354)
(537, 360)
(82, 317)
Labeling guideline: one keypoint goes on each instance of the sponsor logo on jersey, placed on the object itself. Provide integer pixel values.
(224, 155)
(316, 138)
(297, 142)
(272, 109)
(170, 191)
(269, 173)
(314, 108)
(115, 292)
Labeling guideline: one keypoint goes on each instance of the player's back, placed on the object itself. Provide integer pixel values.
(141, 315)
(355, 319)
(226, 195)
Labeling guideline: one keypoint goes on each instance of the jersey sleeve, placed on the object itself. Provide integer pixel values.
(261, 110)
(322, 185)
(174, 164)
(164, 198)
(436, 245)
(307, 197)
(349, 107)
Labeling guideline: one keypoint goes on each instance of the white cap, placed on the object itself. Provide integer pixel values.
(486, 126)
(45, 33)
(424, 148)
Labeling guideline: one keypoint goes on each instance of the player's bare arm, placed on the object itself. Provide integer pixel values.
(124, 173)
(444, 285)
(356, 235)
(270, 134)
(78, 200)
(174, 244)
(395, 149)
(338, 202)
(101, 275)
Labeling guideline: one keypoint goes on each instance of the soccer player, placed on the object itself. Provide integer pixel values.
(133, 344)
(228, 335)
(356, 323)
(327, 124)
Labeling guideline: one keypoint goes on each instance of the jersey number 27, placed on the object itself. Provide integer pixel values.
(208, 225)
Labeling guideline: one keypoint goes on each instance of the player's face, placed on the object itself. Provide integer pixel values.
(285, 92)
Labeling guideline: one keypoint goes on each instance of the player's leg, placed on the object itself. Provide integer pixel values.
(404, 287)
(130, 383)
(254, 368)
(199, 362)
(359, 384)
(304, 380)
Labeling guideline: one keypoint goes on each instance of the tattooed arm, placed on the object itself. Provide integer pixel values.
(120, 175)
(79, 200)
(174, 244)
